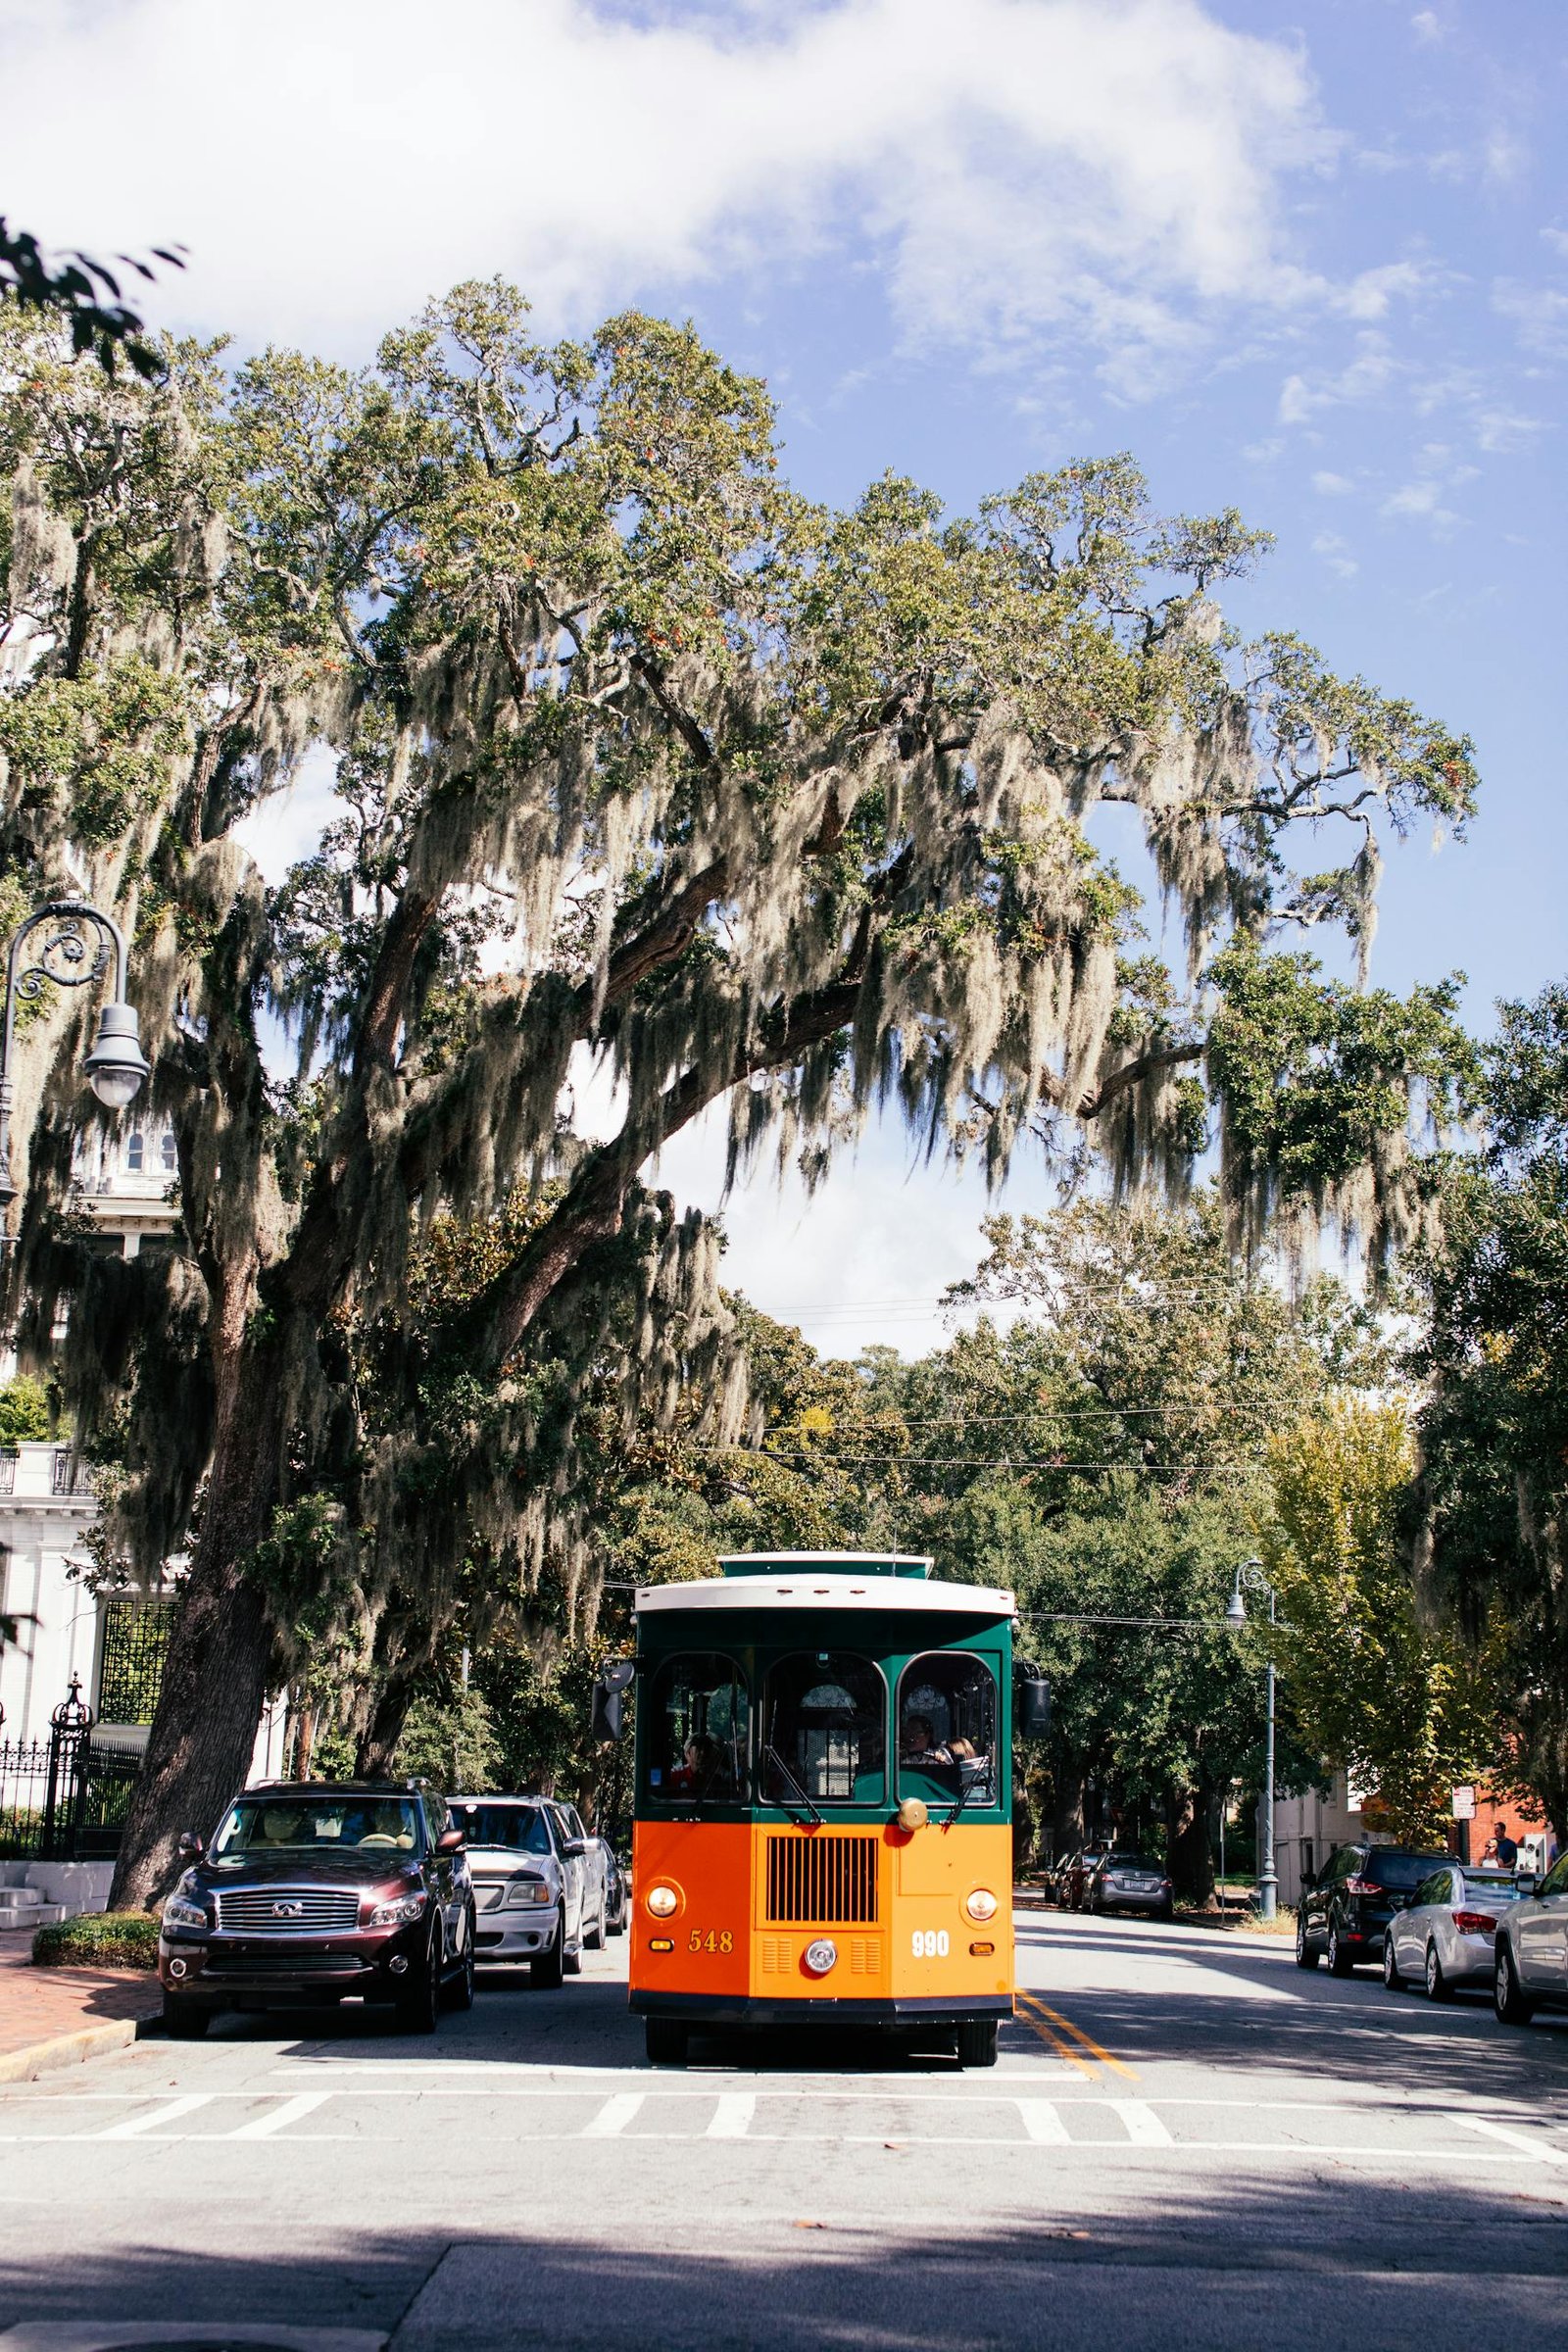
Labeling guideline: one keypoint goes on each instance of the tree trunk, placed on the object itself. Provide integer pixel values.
(214, 1679)
(1191, 1855)
(1067, 1814)
(378, 1742)
(303, 1739)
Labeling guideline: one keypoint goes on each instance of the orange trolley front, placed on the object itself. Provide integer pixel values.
(823, 1802)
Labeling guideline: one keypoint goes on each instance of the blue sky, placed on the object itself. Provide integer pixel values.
(1310, 260)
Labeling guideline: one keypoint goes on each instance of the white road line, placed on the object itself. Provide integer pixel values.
(614, 2116)
(1536, 2148)
(168, 2111)
(1144, 2127)
(266, 2126)
(732, 2116)
(1042, 2122)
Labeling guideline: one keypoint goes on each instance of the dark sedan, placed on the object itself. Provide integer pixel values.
(312, 1893)
(1130, 1883)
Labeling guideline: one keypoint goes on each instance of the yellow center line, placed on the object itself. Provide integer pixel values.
(1054, 2043)
(1068, 2026)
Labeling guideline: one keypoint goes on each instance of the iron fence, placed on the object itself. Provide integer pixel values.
(23, 1786)
(65, 1798)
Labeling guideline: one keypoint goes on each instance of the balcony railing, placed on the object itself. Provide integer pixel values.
(70, 1474)
(7, 1473)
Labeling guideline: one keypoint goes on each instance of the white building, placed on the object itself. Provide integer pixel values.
(1308, 1829)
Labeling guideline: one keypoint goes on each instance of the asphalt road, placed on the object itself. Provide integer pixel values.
(1186, 2142)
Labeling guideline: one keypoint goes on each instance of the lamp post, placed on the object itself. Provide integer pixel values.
(1250, 1578)
(75, 952)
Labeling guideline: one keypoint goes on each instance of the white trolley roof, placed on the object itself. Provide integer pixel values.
(791, 1584)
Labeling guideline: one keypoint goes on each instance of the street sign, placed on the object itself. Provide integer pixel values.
(1465, 1804)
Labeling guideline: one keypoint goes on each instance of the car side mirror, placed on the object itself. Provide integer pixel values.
(450, 1842)
(575, 1847)
(1527, 1881)
(1033, 1704)
(607, 1717)
(191, 1846)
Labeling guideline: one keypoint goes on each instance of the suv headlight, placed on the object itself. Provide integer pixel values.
(526, 1890)
(180, 1912)
(393, 1915)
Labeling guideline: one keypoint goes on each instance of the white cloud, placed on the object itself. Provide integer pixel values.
(1106, 164)
(1419, 502)
(1503, 433)
(1426, 26)
(1369, 294)
(1540, 315)
(288, 825)
(1335, 553)
(1333, 486)
(1368, 375)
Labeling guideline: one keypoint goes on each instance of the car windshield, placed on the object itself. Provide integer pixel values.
(317, 1826)
(1139, 1862)
(1400, 1873)
(523, 1828)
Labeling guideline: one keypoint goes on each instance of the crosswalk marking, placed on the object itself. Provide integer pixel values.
(614, 2116)
(1144, 2127)
(732, 2116)
(279, 2119)
(1042, 2122)
(168, 2111)
(1513, 2139)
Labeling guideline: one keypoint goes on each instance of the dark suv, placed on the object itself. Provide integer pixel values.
(314, 1891)
(1345, 1910)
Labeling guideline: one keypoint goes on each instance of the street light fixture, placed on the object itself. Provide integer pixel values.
(73, 955)
(1251, 1577)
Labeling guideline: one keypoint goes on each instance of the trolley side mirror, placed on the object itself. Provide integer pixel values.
(1033, 1704)
(607, 1720)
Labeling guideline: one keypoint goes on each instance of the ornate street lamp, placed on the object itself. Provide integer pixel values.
(80, 940)
(1250, 1578)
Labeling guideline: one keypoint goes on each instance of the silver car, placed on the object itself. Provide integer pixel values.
(1129, 1882)
(530, 1881)
(1446, 1933)
(595, 1903)
(1529, 1965)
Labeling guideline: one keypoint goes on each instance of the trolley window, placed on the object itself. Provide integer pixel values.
(948, 1728)
(825, 1731)
(697, 1716)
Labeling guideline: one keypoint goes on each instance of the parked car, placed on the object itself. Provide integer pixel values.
(617, 1890)
(530, 1881)
(1345, 1910)
(1446, 1934)
(314, 1893)
(590, 1853)
(1129, 1882)
(1075, 1874)
(1529, 1961)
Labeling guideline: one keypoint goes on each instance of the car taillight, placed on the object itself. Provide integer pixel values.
(1363, 1887)
(1475, 1923)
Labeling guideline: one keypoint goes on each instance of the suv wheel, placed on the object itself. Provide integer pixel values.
(547, 1971)
(1509, 1999)
(1391, 1966)
(418, 2003)
(1305, 1955)
(459, 1992)
(1437, 1983)
(184, 2021)
(1340, 1960)
(597, 1937)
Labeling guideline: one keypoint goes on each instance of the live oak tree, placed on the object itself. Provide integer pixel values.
(643, 757)
(1487, 1518)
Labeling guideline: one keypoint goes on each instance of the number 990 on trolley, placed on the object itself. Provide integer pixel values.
(823, 1802)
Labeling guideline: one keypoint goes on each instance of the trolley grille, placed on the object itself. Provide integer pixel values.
(288, 1910)
(824, 1879)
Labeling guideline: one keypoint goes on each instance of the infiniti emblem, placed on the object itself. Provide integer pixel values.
(288, 1910)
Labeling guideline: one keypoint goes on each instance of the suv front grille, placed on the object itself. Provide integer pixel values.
(822, 1879)
(288, 1910)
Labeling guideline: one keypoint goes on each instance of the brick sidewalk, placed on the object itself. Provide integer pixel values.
(41, 2004)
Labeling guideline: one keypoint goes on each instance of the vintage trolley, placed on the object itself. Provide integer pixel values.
(823, 1802)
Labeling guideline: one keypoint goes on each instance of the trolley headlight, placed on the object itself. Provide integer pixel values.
(820, 1956)
(981, 1905)
(662, 1901)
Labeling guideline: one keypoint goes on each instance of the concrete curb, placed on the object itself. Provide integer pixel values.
(73, 2050)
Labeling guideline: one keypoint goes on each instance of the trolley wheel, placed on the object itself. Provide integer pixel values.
(666, 2039)
(977, 2042)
